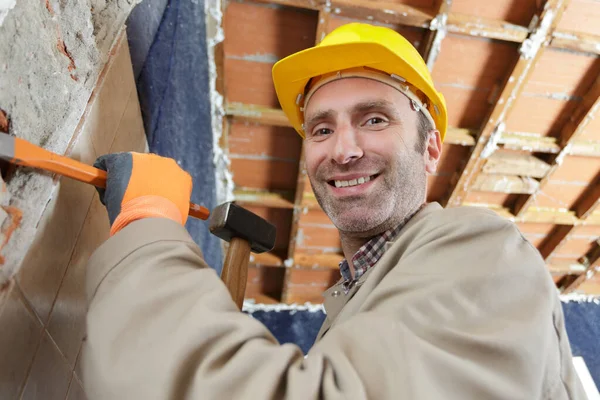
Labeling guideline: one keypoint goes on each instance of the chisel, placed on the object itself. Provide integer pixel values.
(21, 152)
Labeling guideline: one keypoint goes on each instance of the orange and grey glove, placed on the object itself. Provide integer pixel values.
(142, 186)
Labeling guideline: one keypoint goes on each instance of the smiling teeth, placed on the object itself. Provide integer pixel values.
(352, 182)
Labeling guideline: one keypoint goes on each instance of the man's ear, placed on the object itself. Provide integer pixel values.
(433, 151)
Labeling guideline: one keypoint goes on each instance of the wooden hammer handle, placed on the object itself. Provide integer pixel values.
(235, 269)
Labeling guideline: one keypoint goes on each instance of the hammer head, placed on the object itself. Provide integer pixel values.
(230, 220)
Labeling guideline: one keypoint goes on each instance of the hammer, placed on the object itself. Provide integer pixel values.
(245, 232)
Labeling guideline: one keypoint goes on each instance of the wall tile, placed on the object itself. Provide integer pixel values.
(130, 135)
(105, 115)
(84, 149)
(67, 321)
(46, 261)
(50, 374)
(19, 339)
(78, 367)
(76, 390)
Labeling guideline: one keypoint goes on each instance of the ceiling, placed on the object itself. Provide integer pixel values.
(521, 80)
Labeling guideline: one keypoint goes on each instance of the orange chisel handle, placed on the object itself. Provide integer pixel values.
(29, 155)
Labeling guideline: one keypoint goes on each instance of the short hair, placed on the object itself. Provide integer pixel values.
(423, 128)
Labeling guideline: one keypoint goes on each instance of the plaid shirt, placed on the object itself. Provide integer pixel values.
(369, 254)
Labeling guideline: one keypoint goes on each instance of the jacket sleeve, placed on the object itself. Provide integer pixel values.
(161, 325)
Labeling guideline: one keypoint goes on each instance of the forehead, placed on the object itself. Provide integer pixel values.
(344, 93)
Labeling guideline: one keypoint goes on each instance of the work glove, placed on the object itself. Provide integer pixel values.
(143, 186)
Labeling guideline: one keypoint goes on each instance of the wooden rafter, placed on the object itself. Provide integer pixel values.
(493, 126)
(394, 13)
(592, 263)
(555, 240)
(437, 33)
(487, 28)
(571, 131)
(576, 41)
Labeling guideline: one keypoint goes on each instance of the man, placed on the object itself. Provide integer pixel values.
(433, 304)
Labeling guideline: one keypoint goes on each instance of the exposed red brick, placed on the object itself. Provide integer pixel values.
(15, 216)
(60, 45)
(4, 121)
(49, 7)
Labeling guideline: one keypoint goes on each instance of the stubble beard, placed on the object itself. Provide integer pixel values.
(399, 192)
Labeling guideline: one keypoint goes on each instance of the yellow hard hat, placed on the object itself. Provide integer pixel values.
(351, 46)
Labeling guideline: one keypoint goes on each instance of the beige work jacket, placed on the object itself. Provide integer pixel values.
(460, 306)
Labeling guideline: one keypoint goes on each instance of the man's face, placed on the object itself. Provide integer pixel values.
(361, 157)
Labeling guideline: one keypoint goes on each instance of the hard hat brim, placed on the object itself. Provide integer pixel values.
(291, 75)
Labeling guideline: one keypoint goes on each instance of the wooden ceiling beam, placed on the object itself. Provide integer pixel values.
(576, 41)
(592, 263)
(570, 132)
(257, 114)
(516, 164)
(325, 260)
(494, 125)
(264, 198)
(528, 142)
(388, 12)
(538, 215)
(432, 44)
(487, 28)
(504, 183)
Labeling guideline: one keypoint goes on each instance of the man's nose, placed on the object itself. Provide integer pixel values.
(347, 147)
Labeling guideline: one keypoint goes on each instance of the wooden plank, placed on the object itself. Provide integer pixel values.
(486, 28)
(256, 113)
(587, 148)
(266, 259)
(326, 260)
(513, 163)
(504, 184)
(575, 126)
(389, 12)
(273, 199)
(557, 238)
(592, 262)
(494, 125)
(576, 41)
(529, 142)
(437, 33)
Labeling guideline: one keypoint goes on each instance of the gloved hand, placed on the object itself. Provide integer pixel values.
(142, 186)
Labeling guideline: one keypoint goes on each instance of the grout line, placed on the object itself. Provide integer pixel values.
(34, 315)
(70, 386)
(112, 143)
(68, 266)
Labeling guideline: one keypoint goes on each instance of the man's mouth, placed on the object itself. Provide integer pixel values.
(352, 182)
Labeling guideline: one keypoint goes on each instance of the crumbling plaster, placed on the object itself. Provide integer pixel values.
(51, 56)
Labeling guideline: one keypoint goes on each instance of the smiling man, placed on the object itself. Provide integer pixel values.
(433, 303)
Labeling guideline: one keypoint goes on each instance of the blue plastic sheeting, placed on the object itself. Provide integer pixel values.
(582, 321)
(583, 327)
(299, 327)
(173, 88)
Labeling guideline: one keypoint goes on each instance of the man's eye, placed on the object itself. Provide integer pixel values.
(374, 121)
(322, 132)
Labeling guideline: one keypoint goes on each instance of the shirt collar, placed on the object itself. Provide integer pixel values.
(369, 253)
